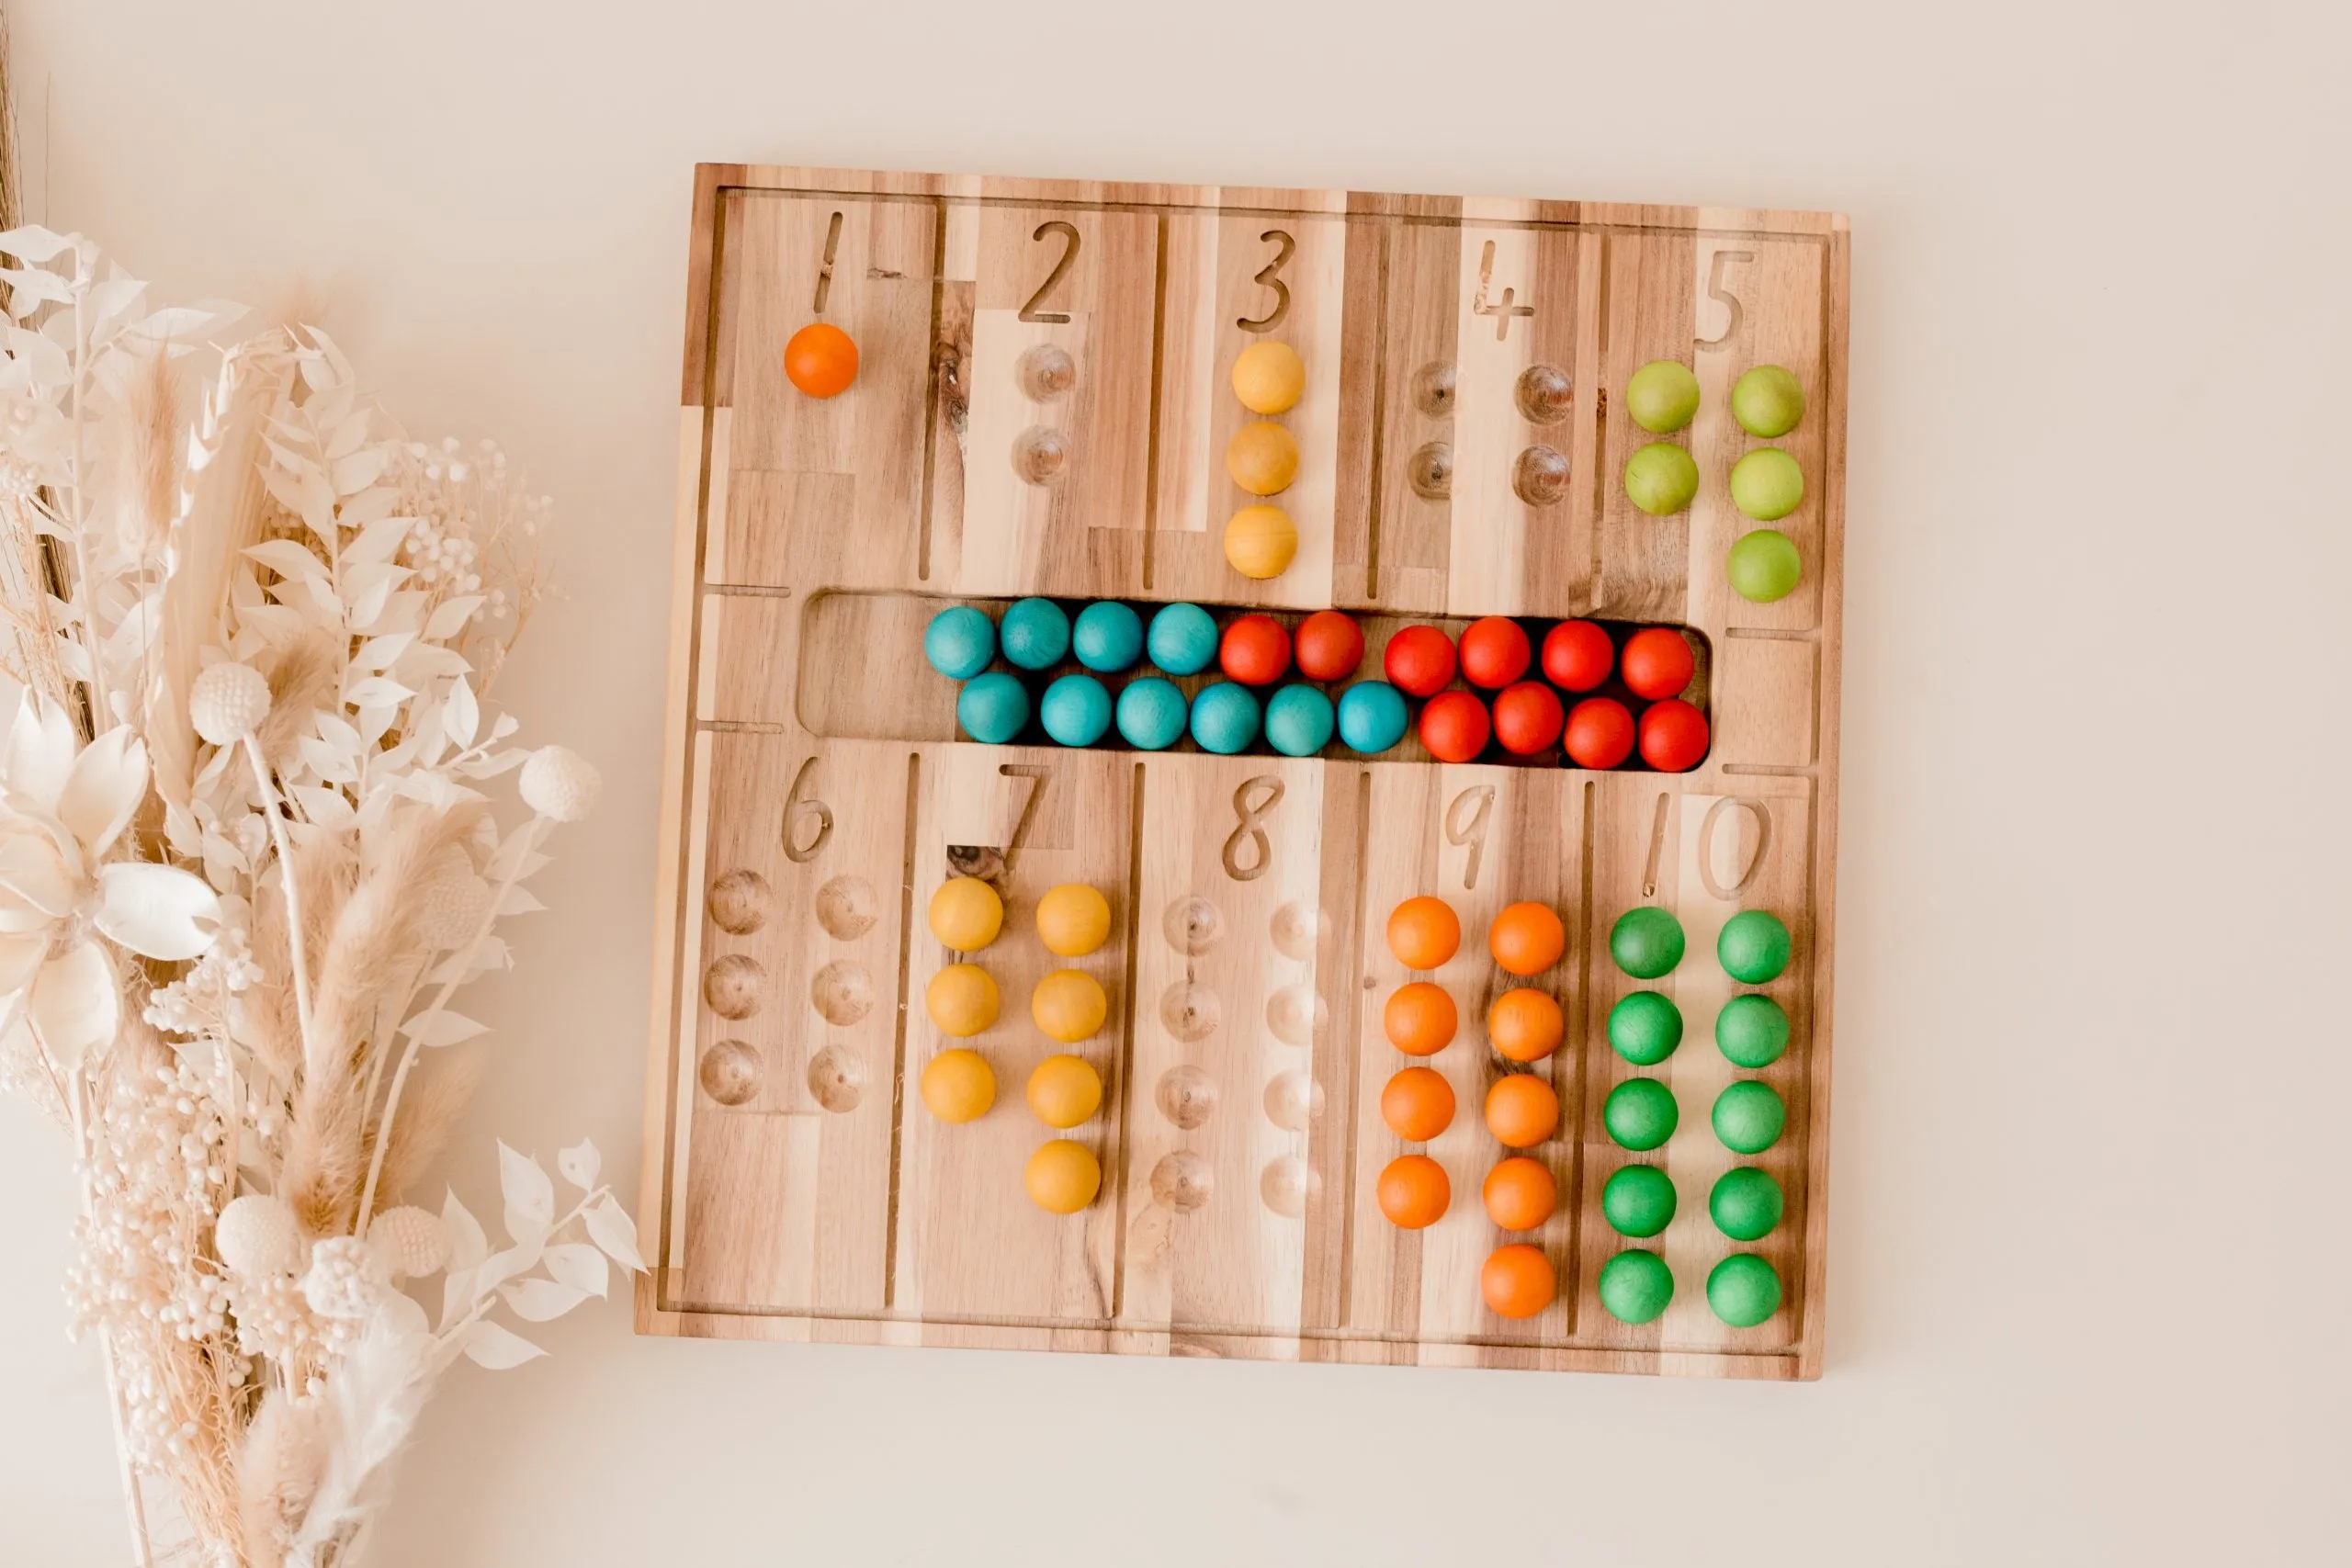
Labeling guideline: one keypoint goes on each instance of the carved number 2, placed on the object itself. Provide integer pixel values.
(1069, 232)
(1724, 297)
(1250, 826)
(1269, 277)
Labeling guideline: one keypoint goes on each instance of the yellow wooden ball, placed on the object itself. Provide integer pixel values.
(1064, 1091)
(966, 914)
(1269, 378)
(1260, 541)
(1262, 457)
(957, 1086)
(1073, 920)
(1063, 1177)
(961, 1000)
(1069, 1006)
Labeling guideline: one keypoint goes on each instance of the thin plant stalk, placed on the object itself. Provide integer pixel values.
(295, 942)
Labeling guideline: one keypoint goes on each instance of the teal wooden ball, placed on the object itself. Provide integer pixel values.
(1035, 634)
(1107, 636)
(960, 642)
(1076, 710)
(1151, 713)
(1182, 639)
(1371, 717)
(1298, 721)
(1225, 718)
(992, 708)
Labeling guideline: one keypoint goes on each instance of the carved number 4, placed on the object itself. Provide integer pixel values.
(1723, 296)
(1502, 310)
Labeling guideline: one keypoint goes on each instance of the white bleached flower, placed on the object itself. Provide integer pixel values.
(410, 1242)
(453, 905)
(558, 784)
(227, 702)
(345, 1278)
(256, 1235)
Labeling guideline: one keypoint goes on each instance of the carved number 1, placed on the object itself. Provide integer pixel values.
(1724, 297)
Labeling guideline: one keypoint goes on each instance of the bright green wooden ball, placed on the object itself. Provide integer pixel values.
(1646, 942)
(1748, 1117)
(1638, 1200)
(1744, 1203)
(1764, 566)
(1662, 396)
(1640, 1114)
(1767, 401)
(1635, 1286)
(1644, 1027)
(1766, 484)
(1753, 947)
(1661, 478)
(1752, 1031)
(1744, 1291)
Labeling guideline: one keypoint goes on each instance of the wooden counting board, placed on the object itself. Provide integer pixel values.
(1042, 407)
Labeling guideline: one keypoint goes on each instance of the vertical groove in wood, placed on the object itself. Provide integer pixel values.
(1127, 1042)
(899, 1043)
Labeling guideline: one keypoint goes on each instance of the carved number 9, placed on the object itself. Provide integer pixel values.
(1269, 277)
(797, 811)
(1250, 826)
(1724, 297)
(1069, 232)
(1470, 831)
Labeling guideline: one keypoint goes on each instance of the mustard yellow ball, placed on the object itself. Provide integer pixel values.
(966, 914)
(1260, 541)
(1269, 378)
(1069, 1006)
(1064, 1091)
(957, 1086)
(961, 1000)
(1262, 457)
(1063, 1177)
(1073, 920)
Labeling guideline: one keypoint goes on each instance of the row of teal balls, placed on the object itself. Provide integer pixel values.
(1152, 714)
(1037, 634)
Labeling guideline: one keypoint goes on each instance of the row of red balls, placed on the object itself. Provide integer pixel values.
(1527, 717)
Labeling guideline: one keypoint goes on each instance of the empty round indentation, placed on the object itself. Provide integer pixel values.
(1194, 925)
(1545, 394)
(1182, 1181)
(729, 1072)
(836, 1079)
(1293, 1100)
(739, 902)
(1046, 372)
(1433, 390)
(1286, 1185)
(847, 907)
(1039, 454)
(1540, 476)
(1186, 1096)
(1429, 471)
(1295, 1015)
(1297, 928)
(842, 992)
(732, 985)
(1190, 1012)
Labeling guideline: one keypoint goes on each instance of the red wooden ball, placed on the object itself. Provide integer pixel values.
(1256, 650)
(1657, 663)
(1600, 733)
(1527, 717)
(1674, 735)
(1331, 646)
(1453, 727)
(1494, 652)
(1576, 656)
(1420, 661)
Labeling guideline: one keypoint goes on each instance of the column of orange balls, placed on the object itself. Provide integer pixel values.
(1525, 1026)
(1417, 1104)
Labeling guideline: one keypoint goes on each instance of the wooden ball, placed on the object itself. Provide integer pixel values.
(820, 360)
(1260, 541)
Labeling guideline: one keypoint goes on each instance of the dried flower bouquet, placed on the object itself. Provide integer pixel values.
(248, 858)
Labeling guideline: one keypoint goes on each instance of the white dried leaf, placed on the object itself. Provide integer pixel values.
(353, 474)
(461, 716)
(614, 1231)
(581, 1163)
(580, 1266)
(443, 1028)
(467, 1246)
(530, 1196)
(490, 1344)
(536, 1301)
(518, 901)
(449, 616)
(376, 691)
(288, 559)
(30, 241)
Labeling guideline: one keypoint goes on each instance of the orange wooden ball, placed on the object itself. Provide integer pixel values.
(1424, 931)
(1525, 1025)
(1418, 1104)
(1517, 1280)
(1522, 1110)
(1521, 1193)
(1414, 1192)
(820, 360)
(1421, 1019)
(1527, 938)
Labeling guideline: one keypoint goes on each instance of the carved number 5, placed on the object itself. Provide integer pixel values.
(1250, 826)
(1269, 277)
(797, 811)
(1069, 232)
(1724, 297)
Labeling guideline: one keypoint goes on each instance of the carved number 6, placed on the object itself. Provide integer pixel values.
(796, 811)
(1269, 277)
(1724, 297)
(1069, 232)
(1269, 790)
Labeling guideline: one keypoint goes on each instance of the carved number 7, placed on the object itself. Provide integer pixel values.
(1724, 297)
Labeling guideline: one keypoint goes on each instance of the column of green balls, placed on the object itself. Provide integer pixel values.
(1635, 1286)
(1752, 1031)
(1662, 478)
(1767, 485)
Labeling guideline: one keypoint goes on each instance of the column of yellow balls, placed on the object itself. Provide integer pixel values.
(1260, 540)
(1063, 1176)
(965, 914)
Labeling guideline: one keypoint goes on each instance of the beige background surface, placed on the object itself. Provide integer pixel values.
(2088, 1288)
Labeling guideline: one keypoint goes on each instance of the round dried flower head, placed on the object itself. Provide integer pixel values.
(452, 905)
(256, 1235)
(345, 1279)
(558, 784)
(410, 1242)
(228, 702)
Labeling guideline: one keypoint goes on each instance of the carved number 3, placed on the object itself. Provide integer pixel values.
(797, 811)
(1724, 297)
(1269, 277)
(1030, 313)
(1269, 791)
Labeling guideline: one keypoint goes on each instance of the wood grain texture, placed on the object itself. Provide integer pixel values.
(1461, 353)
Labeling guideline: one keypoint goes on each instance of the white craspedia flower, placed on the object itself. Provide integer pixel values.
(228, 702)
(256, 1235)
(345, 1278)
(558, 784)
(453, 905)
(410, 1242)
